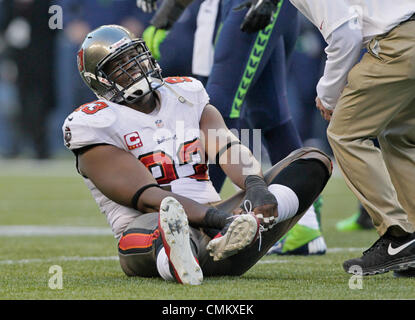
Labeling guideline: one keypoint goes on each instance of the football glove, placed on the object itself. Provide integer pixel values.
(147, 5)
(259, 15)
(153, 37)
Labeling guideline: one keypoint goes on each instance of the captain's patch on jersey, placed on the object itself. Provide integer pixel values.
(159, 124)
(133, 141)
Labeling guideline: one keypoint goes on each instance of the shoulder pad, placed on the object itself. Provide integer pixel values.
(85, 125)
(96, 114)
(189, 88)
(185, 83)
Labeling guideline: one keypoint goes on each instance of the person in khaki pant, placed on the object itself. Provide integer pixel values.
(374, 98)
(379, 101)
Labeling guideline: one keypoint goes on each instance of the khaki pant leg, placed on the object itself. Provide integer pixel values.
(398, 147)
(379, 88)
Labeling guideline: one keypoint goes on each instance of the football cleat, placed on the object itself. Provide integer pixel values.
(174, 229)
(239, 234)
(349, 224)
(359, 221)
(300, 240)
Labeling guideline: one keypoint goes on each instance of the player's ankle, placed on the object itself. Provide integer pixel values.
(216, 219)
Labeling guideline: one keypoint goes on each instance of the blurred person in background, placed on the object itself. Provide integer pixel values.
(172, 43)
(9, 108)
(9, 103)
(303, 77)
(30, 44)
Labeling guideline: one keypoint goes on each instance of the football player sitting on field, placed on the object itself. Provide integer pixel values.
(143, 149)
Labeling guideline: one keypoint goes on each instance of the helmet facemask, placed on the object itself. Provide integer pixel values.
(129, 73)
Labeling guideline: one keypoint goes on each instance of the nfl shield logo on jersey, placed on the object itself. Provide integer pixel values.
(133, 141)
(159, 124)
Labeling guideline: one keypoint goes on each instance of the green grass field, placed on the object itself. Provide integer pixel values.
(51, 195)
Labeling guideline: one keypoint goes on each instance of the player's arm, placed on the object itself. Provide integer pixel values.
(236, 160)
(225, 149)
(119, 176)
(343, 51)
(163, 20)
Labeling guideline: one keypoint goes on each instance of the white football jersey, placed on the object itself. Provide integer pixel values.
(166, 141)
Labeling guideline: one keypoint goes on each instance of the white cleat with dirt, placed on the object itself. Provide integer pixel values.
(174, 229)
(242, 232)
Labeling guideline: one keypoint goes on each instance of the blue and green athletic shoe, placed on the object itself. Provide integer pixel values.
(318, 205)
(358, 221)
(349, 224)
(300, 240)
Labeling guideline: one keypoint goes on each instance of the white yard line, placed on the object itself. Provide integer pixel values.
(57, 259)
(30, 231)
(115, 258)
(336, 250)
(12, 231)
(59, 168)
(36, 168)
(272, 261)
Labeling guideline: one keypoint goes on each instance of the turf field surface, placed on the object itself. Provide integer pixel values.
(48, 218)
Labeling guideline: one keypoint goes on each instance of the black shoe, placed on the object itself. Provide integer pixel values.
(387, 253)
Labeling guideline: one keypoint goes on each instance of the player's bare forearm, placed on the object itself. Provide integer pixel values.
(224, 147)
(238, 162)
(119, 175)
(151, 199)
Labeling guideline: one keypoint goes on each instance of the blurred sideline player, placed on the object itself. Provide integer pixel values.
(247, 82)
(142, 150)
(172, 43)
